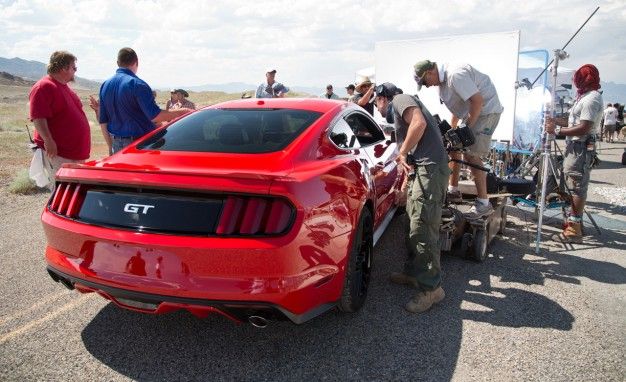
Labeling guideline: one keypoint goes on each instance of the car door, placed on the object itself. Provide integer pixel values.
(380, 153)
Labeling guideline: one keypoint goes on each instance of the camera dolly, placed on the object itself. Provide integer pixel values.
(470, 238)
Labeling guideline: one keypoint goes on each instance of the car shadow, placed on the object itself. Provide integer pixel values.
(380, 342)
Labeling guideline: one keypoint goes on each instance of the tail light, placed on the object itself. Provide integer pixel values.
(67, 199)
(254, 216)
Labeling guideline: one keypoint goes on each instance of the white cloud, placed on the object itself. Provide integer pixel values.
(311, 42)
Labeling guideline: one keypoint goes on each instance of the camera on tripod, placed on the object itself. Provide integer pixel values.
(454, 139)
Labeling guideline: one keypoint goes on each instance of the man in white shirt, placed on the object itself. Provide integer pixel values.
(610, 120)
(470, 96)
(270, 88)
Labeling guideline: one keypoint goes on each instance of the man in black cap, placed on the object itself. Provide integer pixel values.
(428, 171)
(350, 90)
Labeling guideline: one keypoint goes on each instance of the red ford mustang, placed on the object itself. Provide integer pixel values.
(254, 209)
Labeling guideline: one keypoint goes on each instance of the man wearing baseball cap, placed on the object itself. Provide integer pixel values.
(270, 88)
(471, 97)
(350, 90)
(418, 135)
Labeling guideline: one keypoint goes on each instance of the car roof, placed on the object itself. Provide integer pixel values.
(320, 105)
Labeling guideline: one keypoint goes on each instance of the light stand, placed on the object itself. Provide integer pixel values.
(546, 141)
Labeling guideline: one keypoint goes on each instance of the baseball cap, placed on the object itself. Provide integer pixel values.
(387, 90)
(270, 69)
(420, 70)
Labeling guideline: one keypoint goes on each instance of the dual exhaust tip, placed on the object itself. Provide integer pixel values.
(66, 283)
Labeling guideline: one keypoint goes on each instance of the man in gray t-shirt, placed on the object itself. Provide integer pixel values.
(470, 96)
(428, 180)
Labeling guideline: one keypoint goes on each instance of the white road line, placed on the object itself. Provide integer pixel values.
(43, 319)
(44, 301)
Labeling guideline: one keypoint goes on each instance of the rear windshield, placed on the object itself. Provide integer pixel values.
(233, 131)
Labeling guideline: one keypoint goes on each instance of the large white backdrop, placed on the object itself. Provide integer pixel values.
(494, 54)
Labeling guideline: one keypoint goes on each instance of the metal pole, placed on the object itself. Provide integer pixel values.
(565, 46)
(546, 140)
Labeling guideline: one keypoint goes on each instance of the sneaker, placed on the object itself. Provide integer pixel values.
(402, 279)
(425, 300)
(478, 210)
(454, 197)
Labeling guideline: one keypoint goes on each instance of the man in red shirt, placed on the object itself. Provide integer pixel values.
(62, 131)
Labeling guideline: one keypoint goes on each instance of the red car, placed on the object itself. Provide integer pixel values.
(257, 209)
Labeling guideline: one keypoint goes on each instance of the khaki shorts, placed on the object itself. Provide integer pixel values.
(577, 167)
(483, 130)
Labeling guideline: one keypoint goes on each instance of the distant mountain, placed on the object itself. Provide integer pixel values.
(11, 80)
(240, 87)
(34, 70)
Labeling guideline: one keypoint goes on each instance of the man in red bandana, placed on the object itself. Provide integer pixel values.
(580, 131)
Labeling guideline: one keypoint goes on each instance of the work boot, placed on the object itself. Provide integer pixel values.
(402, 279)
(572, 233)
(424, 300)
(454, 197)
(479, 210)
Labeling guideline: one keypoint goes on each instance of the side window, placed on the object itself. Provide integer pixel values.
(343, 137)
(366, 131)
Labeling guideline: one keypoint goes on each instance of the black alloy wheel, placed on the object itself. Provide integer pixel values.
(359, 268)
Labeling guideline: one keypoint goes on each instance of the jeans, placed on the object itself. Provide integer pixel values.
(120, 142)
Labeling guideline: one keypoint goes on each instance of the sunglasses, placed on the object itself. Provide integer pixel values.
(418, 79)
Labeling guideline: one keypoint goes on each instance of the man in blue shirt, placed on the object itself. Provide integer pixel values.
(127, 107)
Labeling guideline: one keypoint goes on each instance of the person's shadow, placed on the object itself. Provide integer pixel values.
(380, 342)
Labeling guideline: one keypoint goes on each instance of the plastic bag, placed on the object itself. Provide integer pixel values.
(37, 170)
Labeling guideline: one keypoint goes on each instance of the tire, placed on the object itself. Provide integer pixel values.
(479, 245)
(359, 267)
(466, 242)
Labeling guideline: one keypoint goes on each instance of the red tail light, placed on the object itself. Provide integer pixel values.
(254, 216)
(67, 199)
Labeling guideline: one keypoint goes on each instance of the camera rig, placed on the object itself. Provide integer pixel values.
(454, 139)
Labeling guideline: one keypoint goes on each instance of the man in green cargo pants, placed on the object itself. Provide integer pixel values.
(418, 135)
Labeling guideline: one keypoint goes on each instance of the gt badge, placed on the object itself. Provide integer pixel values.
(135, 208)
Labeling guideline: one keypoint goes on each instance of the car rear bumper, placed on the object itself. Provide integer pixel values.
(295, 276)
(237, 311)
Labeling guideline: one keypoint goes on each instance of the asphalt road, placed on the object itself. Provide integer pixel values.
(558, 315)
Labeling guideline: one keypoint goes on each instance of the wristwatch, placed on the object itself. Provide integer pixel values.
(558, 130)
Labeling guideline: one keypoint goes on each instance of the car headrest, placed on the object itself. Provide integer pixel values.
(233, 135)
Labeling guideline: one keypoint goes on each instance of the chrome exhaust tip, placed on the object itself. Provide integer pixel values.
(258, 321)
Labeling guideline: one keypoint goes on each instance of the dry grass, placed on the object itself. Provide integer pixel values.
(15, 155)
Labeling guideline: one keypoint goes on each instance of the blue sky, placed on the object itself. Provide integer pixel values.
(310, 43)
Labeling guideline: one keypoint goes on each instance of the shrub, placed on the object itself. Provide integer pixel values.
(22, 184)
